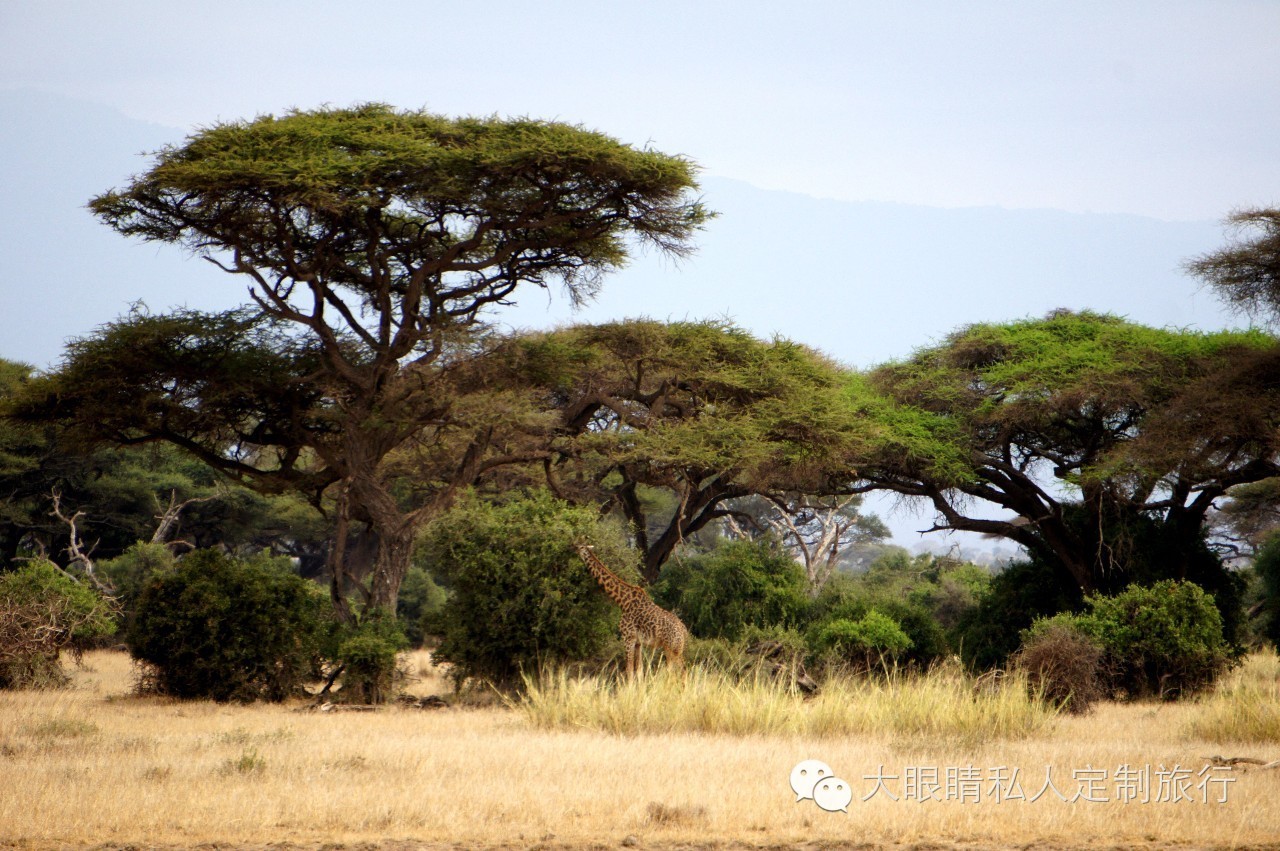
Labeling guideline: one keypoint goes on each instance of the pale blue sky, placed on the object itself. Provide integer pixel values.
(1166, 109)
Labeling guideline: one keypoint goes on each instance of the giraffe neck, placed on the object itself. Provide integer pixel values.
(622, 592)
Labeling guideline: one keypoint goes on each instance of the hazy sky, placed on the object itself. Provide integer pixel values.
(1166, 109)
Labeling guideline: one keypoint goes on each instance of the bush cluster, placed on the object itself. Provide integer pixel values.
(44, 611)
(229, 629)
(519, 596)
(1164, 640)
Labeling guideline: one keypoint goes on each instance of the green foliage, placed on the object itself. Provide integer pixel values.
(873, 637)
(1267, 566)
(419, 604)
(989, 634)
(738, 585)
(368, 654)
(910, 591)
(340, 164)
(1137, 425)
(700, 408)
(1165, 639)
(520, 596)
(42, 612)
(229, 629)
(132, 570)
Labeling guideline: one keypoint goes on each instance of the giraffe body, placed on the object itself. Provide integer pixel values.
(643, 622)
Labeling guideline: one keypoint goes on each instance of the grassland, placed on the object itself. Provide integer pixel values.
(95, 766)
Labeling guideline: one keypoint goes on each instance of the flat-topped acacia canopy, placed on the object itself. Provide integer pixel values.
(425, 218)
(378, 236)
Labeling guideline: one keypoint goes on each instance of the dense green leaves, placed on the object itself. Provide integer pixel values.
(1164, 639)
(703, 410)
(368, 196)
(1084, 408)
(738, 585)
(520, 596)
(872, 638)
(228, 629)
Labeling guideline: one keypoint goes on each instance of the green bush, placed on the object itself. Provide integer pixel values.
(368, 655)
(130, 572)
(738, 585)
(873, 638)
(520, 597)
(989, 634)
(1165, 639)
(43, 611)
(851, 599)
(1267, 566)
(229, 629)
(419, 605)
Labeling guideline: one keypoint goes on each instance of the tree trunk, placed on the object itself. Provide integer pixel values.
(395, 553)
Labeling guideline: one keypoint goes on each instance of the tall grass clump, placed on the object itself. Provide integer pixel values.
(1245, 707)
(942, 703)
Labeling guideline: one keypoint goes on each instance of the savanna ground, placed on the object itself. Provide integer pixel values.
(96, 766)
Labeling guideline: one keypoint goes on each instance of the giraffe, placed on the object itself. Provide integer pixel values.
(643, 621)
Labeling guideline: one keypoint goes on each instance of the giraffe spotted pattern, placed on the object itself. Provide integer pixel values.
(643, 621)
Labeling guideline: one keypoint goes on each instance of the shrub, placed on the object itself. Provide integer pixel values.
(419, 605)
(1165, 639)
(1063, 664)
(130, 572)
(988, 635)
(852, 600)
(43, 611)
(229, 629)
(368, 654)
(864, 642)
(520, 596)
(738, 585)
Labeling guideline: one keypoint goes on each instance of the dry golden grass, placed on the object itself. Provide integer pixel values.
(95, 765)
(945, 705)
(1245, 707)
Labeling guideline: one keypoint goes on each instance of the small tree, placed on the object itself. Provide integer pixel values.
(43, 611)
(521, 597)
(229, 629)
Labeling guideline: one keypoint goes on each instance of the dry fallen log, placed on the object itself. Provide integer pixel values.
(1234, 761)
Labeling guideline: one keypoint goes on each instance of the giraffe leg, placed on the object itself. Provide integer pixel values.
(633, 650)
(675, 662)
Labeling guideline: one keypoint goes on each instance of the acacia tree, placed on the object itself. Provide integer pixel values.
(1099, 436)
(701, 411)
(1246, 273)
(371, 241)
(817, 528)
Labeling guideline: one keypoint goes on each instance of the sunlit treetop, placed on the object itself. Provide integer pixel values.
(426, 218)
